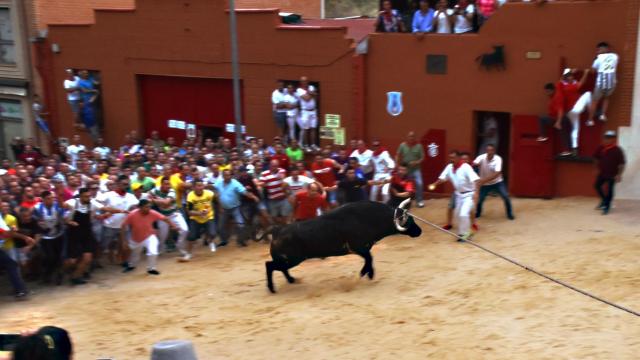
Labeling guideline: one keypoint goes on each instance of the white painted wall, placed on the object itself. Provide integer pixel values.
(629, 140)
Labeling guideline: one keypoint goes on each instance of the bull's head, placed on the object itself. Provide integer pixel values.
(405, 222)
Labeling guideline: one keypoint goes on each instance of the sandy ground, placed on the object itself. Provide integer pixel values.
(432, 297)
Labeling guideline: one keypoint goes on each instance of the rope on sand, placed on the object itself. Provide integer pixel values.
(526, 267)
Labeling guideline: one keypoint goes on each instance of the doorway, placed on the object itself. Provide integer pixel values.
(494, 128)
(211, 132)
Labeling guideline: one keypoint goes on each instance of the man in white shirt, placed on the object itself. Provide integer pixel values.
(100, 150)
(117, 203)
(74, 149)
(491, 180)
(383, 165)
(465, 182)
(605, 65)
(364, 159)
(291, 101)
(308, 120)
(280, 108)
(297, 183)
(73, 94)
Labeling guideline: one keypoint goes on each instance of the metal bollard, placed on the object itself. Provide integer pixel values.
(173, 350)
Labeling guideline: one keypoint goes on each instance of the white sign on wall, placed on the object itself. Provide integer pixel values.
(176, 124)
(231, 128)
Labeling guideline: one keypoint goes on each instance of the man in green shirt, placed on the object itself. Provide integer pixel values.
(411, 154)
(144, 179)
(294, 151)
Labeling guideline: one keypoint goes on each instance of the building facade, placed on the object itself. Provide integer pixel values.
(168, 60)
(16, 118)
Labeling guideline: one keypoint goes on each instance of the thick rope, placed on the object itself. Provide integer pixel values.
(526, 267)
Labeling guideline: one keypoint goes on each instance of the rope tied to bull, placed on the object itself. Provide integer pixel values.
(402, 213)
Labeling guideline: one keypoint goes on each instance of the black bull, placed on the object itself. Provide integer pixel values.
(350, 229)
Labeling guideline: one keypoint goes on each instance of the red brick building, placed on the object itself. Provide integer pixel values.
(170, 60)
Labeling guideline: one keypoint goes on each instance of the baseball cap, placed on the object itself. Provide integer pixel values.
(136, 186)
(610, 134)
(566, 72)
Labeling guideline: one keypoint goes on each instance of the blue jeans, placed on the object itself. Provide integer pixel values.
(416, 175)
(501, 189)
(608, 196)
(13, 269)
(228, 216)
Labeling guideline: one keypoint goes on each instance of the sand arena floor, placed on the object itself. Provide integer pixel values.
(431, 298)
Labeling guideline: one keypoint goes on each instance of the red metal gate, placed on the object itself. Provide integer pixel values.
(532, 162)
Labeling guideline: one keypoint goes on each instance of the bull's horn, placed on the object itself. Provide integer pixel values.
(401, 220)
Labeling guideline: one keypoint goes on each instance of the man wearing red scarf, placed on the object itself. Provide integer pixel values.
(610, 161)
(383, 164)
(465, 182)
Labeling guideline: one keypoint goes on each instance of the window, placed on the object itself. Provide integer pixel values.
(11, 125)
(7, 43)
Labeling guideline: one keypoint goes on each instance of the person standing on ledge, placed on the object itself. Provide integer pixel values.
(610, 161)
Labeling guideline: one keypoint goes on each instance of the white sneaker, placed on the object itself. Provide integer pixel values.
(421, 204)
(212, 246)
(603, 117)
(590, 123)
(186, 258)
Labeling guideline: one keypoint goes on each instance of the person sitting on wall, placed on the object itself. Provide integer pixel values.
(389, 19)
(422, 19)
(464, 13)
(443, 18)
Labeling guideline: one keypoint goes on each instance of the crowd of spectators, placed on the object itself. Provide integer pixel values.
(69, 213)
(437, 16)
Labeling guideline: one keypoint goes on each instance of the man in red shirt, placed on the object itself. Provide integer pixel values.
(306, 203)
(323, 169)
(143, 235)
(29, 200)
(281, 156)
(610, 161)
(556, 115)
(402, 187)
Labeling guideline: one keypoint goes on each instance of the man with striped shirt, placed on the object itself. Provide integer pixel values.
(272, 181)
(605, 66)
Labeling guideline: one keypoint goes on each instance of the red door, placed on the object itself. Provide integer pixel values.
(200, 101)
(435, 156)
(532, 162)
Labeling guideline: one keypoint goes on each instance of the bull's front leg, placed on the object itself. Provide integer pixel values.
(367, 269)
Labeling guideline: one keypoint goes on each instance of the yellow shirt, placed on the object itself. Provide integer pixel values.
(12, 223)
(176, 184)
(203, 202)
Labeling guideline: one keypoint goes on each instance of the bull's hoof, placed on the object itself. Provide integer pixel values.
(363, 272)
(291, 279)
(370, 274)
(271, 289)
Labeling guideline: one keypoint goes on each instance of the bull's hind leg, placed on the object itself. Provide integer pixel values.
(367, 269)
(290, 278)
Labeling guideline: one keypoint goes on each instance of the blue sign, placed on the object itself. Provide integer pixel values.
(394, 103)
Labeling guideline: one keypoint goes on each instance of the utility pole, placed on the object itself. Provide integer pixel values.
(235, 70)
